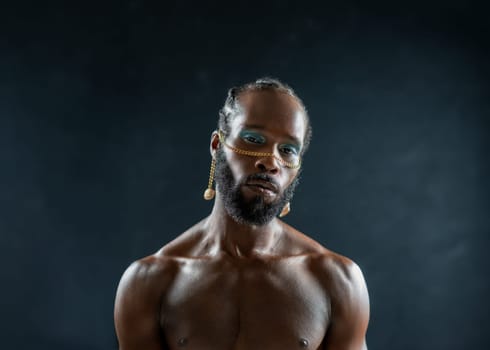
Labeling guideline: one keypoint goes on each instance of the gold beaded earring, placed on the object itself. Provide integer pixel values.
(285, 210)
(210, 192)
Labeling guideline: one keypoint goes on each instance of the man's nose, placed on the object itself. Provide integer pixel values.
(267, 164)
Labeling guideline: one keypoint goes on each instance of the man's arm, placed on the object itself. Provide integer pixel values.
(349, 307)
(137, 306)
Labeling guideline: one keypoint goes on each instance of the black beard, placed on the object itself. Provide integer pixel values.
(252, 212)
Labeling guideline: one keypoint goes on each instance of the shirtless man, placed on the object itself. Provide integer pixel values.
(242, 279)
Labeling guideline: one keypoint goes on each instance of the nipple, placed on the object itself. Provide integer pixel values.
(182, 342)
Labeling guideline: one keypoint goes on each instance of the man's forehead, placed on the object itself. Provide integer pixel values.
(271, 109)
(267, 100)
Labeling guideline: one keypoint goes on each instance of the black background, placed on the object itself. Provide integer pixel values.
(106, 110)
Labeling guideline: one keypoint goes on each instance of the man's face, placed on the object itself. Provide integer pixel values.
(255, 189)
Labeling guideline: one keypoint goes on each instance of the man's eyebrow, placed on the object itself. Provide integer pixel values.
(253, 126)
(291, 138)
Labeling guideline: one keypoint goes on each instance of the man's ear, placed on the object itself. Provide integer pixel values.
(214, 144)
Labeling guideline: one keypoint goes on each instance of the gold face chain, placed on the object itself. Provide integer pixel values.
(257, 154)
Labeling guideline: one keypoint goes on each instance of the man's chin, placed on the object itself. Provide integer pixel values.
(254, 210)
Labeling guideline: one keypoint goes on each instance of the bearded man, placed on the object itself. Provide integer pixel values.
(241, 278)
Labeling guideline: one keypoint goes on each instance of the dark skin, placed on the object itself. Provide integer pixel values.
(229, 285)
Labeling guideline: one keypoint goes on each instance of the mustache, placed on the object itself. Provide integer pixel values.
(263, 177)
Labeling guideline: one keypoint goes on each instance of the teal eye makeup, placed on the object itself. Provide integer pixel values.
(252, 137)
(288, 149)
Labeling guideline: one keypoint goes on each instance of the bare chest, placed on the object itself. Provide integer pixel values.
(256, 305)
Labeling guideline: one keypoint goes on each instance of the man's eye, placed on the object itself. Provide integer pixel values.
(289, 150)
(253, 138)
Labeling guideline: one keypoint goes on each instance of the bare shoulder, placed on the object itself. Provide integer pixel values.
(138, 299)
(144, 283)
(341, 276)
(337, 273)
(156, 271)
(150, 272)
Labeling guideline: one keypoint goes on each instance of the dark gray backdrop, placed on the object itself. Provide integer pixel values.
(105, 115)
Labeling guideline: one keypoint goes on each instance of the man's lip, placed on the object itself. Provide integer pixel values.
(264, 184)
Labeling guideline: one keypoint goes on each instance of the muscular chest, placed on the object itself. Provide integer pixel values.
(255, 305)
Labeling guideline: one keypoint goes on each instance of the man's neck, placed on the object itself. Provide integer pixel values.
(240, 239)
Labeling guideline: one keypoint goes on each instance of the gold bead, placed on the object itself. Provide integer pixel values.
(209, 194)
(285, 210)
